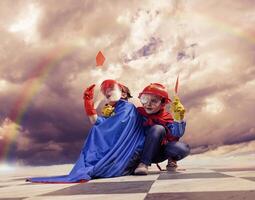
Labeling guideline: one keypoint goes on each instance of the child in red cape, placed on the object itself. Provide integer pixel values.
(162, 131)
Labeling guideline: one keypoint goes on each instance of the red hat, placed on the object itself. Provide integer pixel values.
(108, 84)
(156, 89)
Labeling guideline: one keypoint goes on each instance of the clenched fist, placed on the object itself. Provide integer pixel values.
(177, 109)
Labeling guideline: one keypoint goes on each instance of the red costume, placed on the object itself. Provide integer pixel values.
(163, 118)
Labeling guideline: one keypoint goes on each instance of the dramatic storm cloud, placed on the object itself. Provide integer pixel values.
(47, 59)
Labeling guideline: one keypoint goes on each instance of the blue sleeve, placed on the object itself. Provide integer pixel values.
(177, 129)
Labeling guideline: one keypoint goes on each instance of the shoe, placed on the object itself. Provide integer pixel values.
(142, 169)
(171, 165)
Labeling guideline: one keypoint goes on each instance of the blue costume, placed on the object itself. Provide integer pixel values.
(155, 152)
(111, 144)
(162, 136)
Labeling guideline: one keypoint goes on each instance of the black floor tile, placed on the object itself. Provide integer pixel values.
(106, 188)
(250, 179)
(226, 195)
(164, 176)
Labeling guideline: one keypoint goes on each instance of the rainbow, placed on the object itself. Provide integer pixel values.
(231, 28)
(32, 86)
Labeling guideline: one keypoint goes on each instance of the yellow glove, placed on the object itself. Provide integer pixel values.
(108, 110)
(177, 109)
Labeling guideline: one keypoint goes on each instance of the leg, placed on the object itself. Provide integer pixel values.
(177, 150)
(152, 148)
(133, 163)
(172, 151)
(152, 145)
(161, 156)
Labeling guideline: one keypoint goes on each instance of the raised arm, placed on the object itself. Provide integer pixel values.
(89, 103)
(178, 126)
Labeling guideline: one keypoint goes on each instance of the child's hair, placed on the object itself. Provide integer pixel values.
(126, 90)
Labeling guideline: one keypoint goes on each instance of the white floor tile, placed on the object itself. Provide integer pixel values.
(137, 196)
(241, 173)
(198, 185)
(30, 190)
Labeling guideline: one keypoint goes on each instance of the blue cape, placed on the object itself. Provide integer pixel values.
(109, 147)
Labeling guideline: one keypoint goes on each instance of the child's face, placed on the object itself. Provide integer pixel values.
(151, 103)
(113, 94)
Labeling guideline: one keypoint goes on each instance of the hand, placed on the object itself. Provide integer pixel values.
(89, 93)
(108, 110)
(88, 96)
(177, 109)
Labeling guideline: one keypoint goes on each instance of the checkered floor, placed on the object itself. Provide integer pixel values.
(189, 183)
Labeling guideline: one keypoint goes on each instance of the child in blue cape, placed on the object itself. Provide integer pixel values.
(112, 142)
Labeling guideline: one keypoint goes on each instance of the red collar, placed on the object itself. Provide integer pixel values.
(162, 117)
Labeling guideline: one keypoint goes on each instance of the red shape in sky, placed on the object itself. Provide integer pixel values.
(176, 85)
(100, 58)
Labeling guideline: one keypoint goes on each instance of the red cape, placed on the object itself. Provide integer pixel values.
(163, 118)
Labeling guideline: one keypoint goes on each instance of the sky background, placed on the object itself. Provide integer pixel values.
(47, 59)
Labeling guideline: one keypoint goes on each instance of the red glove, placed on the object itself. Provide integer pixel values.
(88, 100)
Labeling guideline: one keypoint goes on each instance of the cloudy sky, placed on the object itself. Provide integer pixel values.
(47, 58)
